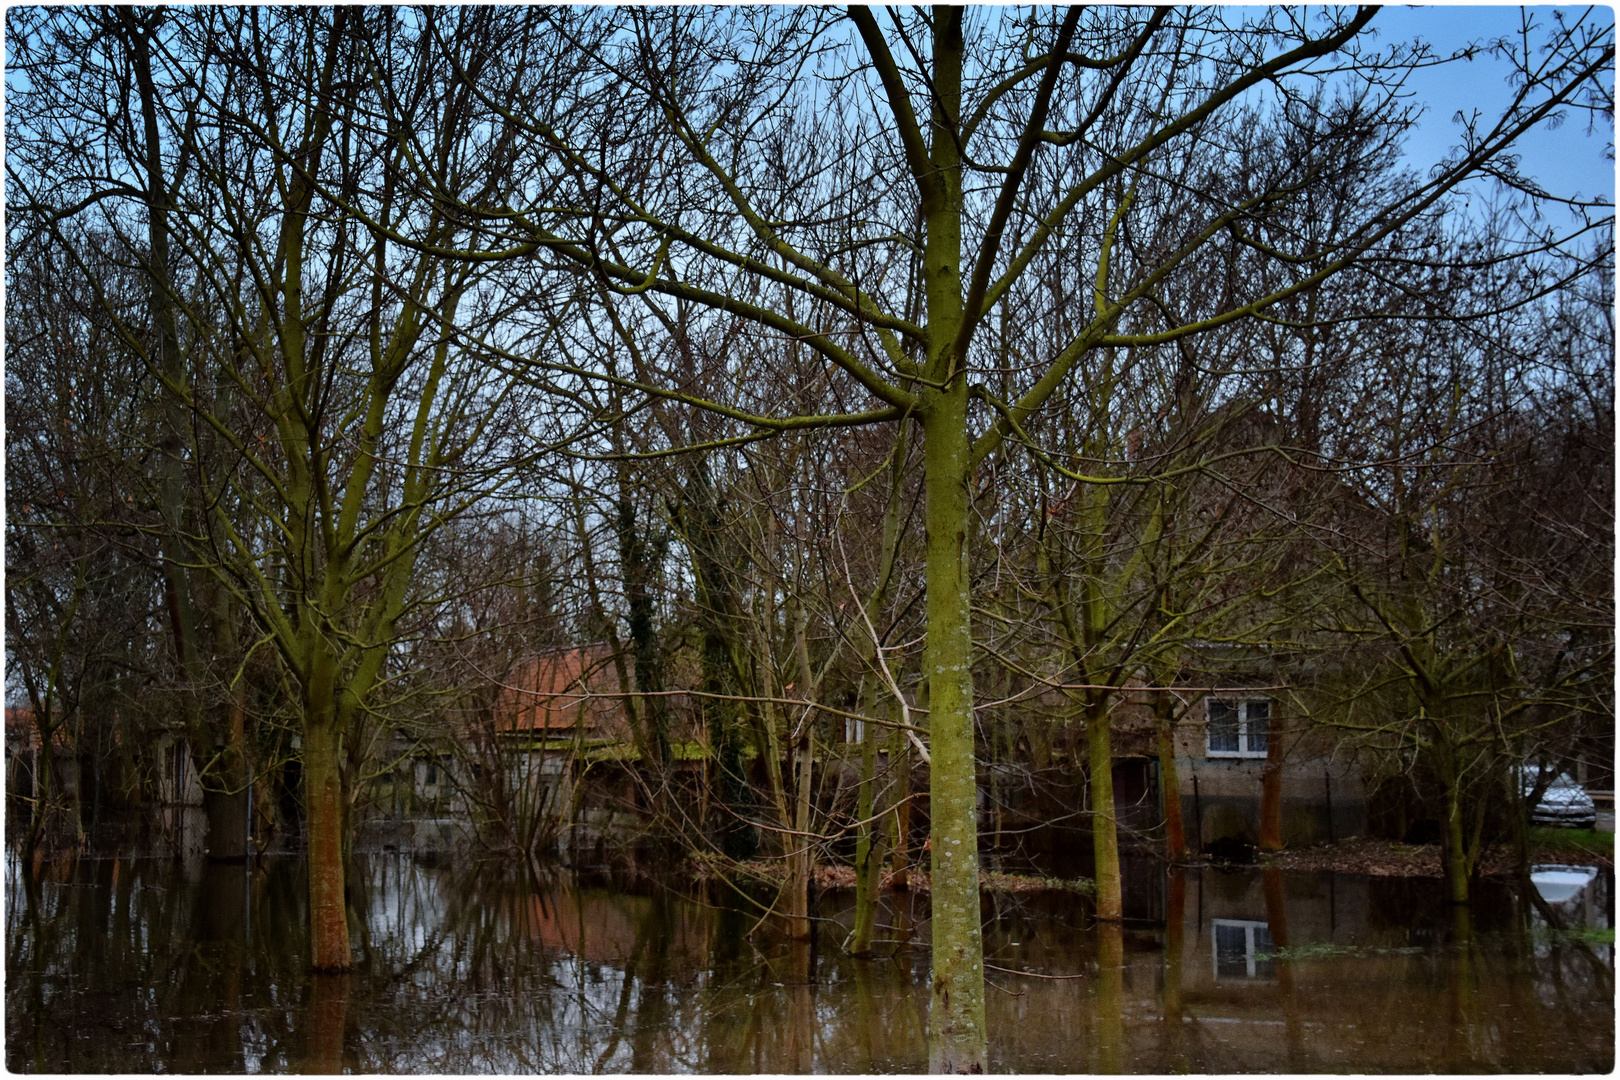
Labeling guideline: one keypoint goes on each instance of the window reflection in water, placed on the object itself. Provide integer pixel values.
(131, 965)
(1242, 949)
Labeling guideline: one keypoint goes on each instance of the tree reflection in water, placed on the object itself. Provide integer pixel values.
(129, 965)
(1110, 997)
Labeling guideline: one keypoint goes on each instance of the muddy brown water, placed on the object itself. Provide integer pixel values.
(118, 964)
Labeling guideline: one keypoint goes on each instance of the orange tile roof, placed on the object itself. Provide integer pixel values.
(566, 691)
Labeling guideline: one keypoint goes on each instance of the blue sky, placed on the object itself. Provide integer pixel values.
(1565, 160)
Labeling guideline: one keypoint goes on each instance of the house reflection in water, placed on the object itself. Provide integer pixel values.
(475, 967)
(1236, 922)
(614, 929)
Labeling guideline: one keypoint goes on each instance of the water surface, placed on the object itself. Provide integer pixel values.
(119, 964)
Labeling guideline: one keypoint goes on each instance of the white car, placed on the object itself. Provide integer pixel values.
(1564, 803)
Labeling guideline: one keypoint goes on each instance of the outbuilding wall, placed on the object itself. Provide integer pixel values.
(1324, 797)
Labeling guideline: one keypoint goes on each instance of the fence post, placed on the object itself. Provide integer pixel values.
(1327, 789)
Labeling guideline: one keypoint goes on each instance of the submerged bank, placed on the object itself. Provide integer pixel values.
(829, 876)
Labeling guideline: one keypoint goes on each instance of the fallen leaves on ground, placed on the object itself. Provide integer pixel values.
(841, 876)
(1389, 858)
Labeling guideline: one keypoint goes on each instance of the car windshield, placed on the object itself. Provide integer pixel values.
(1532, 777)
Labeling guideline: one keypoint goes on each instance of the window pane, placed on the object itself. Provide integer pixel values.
(1231, 951)
(1259, 725)
(1263, 969)
(1223, 727)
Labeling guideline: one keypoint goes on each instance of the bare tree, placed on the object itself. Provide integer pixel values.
(312, 351)
(798, 172)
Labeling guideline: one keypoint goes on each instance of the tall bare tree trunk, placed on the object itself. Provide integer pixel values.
(957, 1040)
(1457, 868)
(900, 820)
(1175, 832)
(1460, 849)
(1271, 837)
(640, 560)
(868, 849)
(325, 825)
(1104, 815)
(801, 862)
(182, 608)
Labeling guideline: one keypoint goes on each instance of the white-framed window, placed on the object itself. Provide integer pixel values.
(1237, 728)
(438, 770)
(854, 730)
(1241, 947)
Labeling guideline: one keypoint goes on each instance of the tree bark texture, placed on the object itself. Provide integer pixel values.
(868, 849)
(324, 817)
(900, 821)
(801, 858)
(1175, 831)
(1271, 835)
(1104, 816)
(957, 1041)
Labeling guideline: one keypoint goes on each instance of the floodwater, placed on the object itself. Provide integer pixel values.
(132, 965)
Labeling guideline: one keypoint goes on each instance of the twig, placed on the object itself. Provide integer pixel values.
(1030, 974)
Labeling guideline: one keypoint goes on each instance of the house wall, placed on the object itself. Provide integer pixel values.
(176, 774)
(1323, 795)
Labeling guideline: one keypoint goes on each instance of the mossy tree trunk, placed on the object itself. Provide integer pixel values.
(1104, 814)
(900, 819)
(1461, 845)
(324, 807)
(699, 516)
(1175, 831)
(351, 419)
(868, 848)
(957, 1041)
(640, 561)
(800, 844)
